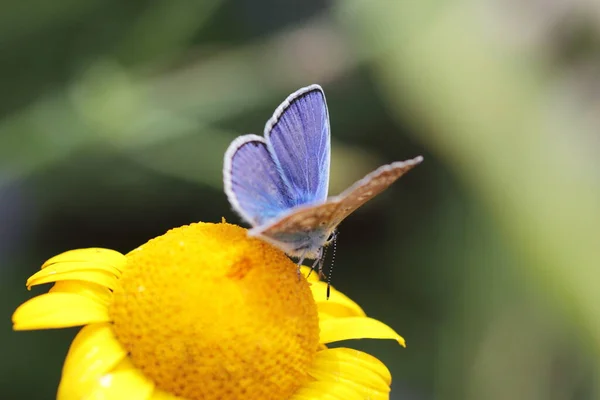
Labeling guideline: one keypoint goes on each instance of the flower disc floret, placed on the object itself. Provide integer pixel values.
(203, 307)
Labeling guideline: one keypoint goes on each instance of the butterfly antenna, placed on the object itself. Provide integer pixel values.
(331, 268)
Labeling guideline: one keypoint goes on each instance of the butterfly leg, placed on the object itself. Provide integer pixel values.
(321, 264)
(312, 267)
(300, 265)
(318, 262)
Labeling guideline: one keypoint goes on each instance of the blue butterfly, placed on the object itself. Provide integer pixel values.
(278, 183)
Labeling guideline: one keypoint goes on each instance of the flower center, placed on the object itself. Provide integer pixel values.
(207, 313)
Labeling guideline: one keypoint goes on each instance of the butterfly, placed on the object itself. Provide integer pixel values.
(279, 183)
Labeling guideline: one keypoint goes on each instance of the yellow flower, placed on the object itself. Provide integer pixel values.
(203, 312)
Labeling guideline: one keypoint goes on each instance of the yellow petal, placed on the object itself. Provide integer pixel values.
(94, 352)
(160, 395)
(58, 310)
(310, 276)
(103, 278)
(319, 390)
(94, 291)
(338, 304)
(364, 360)
(336, 329)
(364, 373)
(104, 256)
(323, 316)
(125, 382)
(61, 267)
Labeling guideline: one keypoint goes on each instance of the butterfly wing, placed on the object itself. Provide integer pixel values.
(311, 225)
(370, 186)
(253, 184)
(298, 138)
(279, 183)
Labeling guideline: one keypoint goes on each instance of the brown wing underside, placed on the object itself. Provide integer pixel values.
(328, 215)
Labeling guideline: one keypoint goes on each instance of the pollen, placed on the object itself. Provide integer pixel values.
(207, 313)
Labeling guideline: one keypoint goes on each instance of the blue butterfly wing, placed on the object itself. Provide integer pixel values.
(253, 184)
(298, 138)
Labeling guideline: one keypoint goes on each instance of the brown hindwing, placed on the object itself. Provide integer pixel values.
(328, 215)
(370, 186)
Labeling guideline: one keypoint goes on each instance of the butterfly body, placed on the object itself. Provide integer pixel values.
(302, 243)
(279, 183)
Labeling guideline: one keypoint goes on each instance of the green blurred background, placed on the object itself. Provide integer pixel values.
(114, 117)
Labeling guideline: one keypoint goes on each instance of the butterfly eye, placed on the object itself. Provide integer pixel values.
(331, 236)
